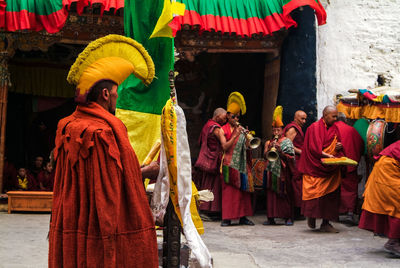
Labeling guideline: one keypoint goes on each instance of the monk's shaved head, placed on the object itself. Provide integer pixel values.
(300, 117)
(330, 115)
(329, 109)
(219, 116)
(219, 111)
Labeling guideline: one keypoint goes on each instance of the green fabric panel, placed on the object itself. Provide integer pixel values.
(225, 172)
(140, 18)
(39, 7)
(238, 9)
(40, 80)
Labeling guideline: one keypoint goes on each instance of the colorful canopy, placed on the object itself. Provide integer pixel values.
(227, 16)
(50, 15)
(381, 102)
(244, 18)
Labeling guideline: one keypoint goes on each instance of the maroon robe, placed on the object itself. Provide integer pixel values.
(281, 205)
(353, 145)
(317, 138)
(297, 180)
(100, 216)
(46, 179)
(206, 173)
(235, 203)
(9, 177)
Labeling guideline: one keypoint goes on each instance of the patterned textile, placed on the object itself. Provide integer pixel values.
(275, 166)
(238, 161)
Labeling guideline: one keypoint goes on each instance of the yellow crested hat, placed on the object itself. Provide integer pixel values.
(236, 103)
(112, 57)
(277, 117)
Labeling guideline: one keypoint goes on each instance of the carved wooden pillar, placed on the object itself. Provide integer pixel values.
(171, 238)
(4, 84)
(271, 86)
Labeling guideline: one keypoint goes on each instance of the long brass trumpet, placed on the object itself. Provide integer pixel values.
(272, 154)
(254, 142)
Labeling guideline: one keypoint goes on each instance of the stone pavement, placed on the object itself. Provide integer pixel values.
(23, 244)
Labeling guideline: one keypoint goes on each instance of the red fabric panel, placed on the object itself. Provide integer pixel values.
(293, 4)
(241, 27)
(317, 138)
(106, 5)
(3, 5)
(380, 224)
(325, 207)
(235, 203)
(24, 20)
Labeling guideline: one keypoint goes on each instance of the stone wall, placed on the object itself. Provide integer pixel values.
(360, 42)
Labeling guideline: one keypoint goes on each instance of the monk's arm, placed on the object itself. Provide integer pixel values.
(291, 134)
(221, 137)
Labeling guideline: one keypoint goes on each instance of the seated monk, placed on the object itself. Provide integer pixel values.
(381, 208)
(25, 181)
(45, 178)
(321, 191)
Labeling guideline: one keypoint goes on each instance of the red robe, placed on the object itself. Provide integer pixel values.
(297, 180)
(100, 215)
(9, 177)
(319, 137)
(235, 203)
(281, 205)
(206, 174)
(46, 179)
(353, 145)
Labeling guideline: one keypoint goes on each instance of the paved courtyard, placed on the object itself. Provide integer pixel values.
(23, 244)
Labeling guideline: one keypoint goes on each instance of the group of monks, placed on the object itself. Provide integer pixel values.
(297, 182)
(38, 178)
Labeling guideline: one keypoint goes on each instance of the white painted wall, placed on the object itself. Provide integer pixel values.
(360, 40)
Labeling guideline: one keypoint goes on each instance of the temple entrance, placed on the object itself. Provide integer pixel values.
(205, 82)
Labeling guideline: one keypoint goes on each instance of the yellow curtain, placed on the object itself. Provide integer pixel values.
(39, 80)
(389, 112)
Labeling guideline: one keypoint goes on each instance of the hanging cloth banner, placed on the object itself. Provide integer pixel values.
(175, 181)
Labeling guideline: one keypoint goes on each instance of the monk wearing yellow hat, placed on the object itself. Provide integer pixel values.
(100, 215)
(279, 152)
(236, 203)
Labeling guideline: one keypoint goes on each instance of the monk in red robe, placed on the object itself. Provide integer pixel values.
(381, 208)
(295, 133)
(25, 181)
(236, 204)
(100, 215)
(279, 191)
(353, 146)
(9, 176)
(321, 194)
(46, 178)
(207, 175)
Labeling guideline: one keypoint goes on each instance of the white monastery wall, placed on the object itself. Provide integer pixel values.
(360, 41)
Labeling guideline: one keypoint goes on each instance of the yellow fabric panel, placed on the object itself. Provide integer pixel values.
(387, 112)
(143, 130)
(382, 189)
(315, 187)
(40, 79)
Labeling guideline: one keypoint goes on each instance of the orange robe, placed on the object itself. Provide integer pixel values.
(381, 208)
(100, 216)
